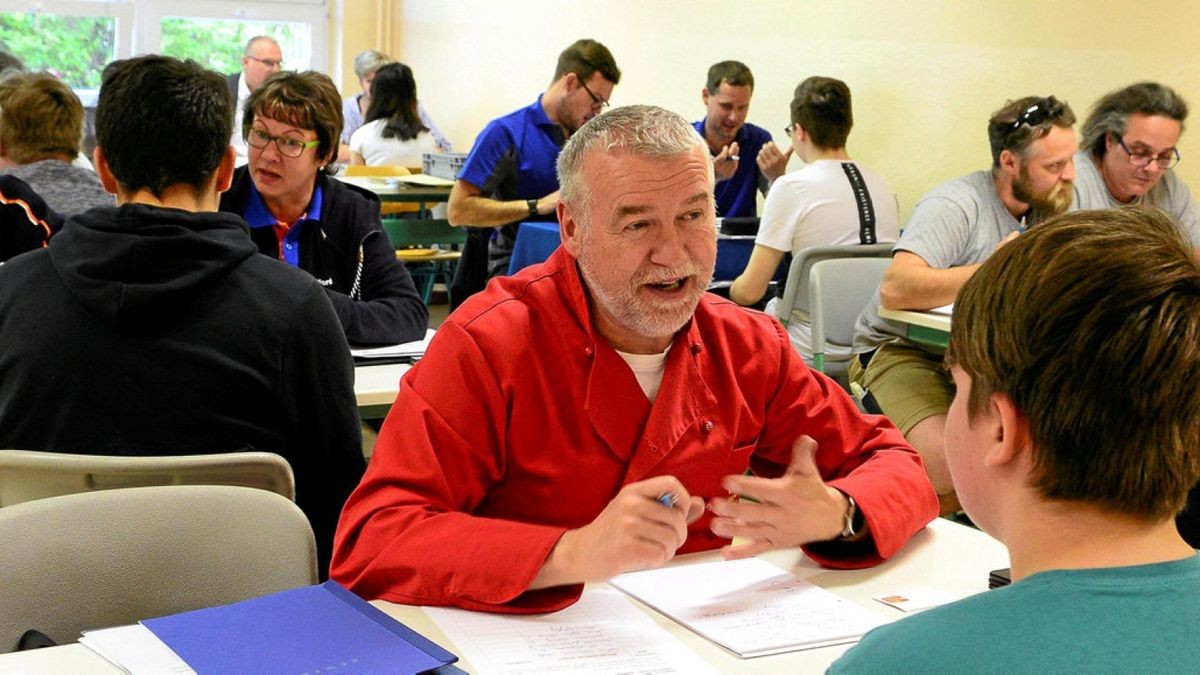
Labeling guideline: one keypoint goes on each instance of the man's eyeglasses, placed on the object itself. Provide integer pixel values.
(1141, 159)
(288, 146)
(270, 63)
(597, 102)
(789, 128)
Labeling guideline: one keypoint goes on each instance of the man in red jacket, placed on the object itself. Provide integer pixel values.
(574, 422)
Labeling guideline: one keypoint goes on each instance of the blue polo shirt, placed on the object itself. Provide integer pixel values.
(514, 155)
(736, 196)
(258, 216)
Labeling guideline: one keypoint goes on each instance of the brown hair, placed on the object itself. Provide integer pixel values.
(1006, 132)
(1090, 324)
(734, 73)
(1111, 113)
(39, 117)
(585, 57)
(306, 100)
(821, 106)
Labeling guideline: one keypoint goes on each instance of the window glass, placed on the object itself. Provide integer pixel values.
(218, 43)
(75, 48)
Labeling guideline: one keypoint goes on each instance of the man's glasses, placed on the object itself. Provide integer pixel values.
(270, 63)
(1039, 113)
(597, 102)
(788, 129)
(1141, 159)
(288, 146)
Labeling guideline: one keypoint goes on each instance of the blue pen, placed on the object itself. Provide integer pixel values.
(668, 499)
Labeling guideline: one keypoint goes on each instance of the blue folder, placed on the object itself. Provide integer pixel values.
(314, 629)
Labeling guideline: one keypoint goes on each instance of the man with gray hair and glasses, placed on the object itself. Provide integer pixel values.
(1127, 149)
(261, 59)
(595, 414)
(953, 229)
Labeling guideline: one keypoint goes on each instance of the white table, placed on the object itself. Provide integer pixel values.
(946, 555)
(376, 387)
(929, 328)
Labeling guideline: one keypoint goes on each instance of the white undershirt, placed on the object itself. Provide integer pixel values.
(648, 369)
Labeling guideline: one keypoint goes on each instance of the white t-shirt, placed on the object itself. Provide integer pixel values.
(376, 150)
(236, 140)
(816, 206)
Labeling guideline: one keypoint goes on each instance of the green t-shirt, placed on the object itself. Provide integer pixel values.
(1141, 619)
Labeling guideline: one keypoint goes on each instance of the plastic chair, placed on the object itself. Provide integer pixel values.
(839, 289)
(385, 208)
(427, 267)
(113, 557)
(26, 475)
(794, 305)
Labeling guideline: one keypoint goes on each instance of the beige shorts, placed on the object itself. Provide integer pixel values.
(909, 383)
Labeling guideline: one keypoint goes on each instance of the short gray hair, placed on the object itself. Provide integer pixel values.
(370, 61)
(249, 50)
(1111, 113)
(644, 130)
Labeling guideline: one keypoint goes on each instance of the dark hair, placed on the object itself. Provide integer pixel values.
(734, 73)
(821, 105)
(585, 57)
(306, 100)
(394, 98)
(1090, 324)
(1111, 113)
(162, 122)
(1006, 133)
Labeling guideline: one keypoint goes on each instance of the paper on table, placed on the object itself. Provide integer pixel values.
(135, 650)
(602, 633)
(749, 606)
(415, 348)
(948, 310)
(422, 179)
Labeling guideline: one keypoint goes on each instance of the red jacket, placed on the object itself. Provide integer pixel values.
(522, 422)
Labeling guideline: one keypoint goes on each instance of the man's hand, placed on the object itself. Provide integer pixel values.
(726, 163)
(796, 508)
(772, 162)
(635, 531)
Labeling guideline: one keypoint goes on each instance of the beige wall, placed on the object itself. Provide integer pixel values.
(925, 74)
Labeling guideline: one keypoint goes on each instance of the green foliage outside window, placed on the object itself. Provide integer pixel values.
(218, 43)
(74, 47)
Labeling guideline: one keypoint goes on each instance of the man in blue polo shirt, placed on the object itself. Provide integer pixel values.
(744, 156)
(509, 175)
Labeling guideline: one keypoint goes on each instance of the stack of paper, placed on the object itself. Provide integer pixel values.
(307, 630)
(750, 607)
(405, 350)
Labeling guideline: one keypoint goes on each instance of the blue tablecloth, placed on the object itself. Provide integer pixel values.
(536, 241)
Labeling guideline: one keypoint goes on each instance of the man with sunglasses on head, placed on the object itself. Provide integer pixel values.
(509, 175)
(1127, 150)
(953, 229)
(261, 59)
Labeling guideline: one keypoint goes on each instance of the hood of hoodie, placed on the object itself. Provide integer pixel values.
(129, 261)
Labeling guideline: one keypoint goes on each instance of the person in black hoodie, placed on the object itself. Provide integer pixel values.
(154, 327)
(327, 228)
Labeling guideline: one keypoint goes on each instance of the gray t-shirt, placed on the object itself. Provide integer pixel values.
(960, 222)
(1169, 194)
(68, 189)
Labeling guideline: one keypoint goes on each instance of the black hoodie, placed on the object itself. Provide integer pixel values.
(153, 331)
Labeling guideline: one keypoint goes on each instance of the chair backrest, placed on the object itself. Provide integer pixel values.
(839, 289)
(113, 557)
(795, 290)
(410, 232)
(27, 475)
(381, 170)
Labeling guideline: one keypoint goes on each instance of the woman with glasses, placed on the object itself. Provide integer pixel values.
(300, 215)
(832, 201)
(1127, 150)
(393, 134)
